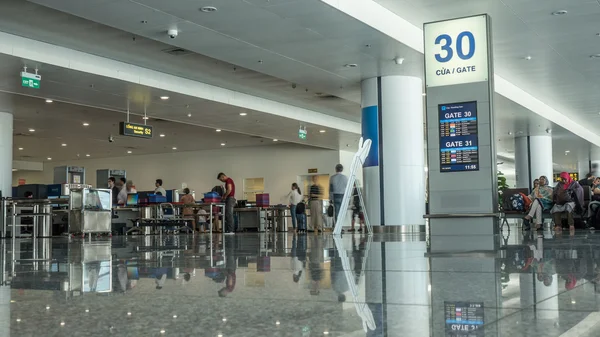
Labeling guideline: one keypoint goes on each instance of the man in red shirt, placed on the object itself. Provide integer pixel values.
(229, 199)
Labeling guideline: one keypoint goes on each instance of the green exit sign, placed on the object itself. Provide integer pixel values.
(302, 133)
(29, 80)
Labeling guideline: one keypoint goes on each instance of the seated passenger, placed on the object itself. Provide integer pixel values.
(567, 198)
(541, 200)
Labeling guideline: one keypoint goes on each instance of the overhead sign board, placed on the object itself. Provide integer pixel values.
(135, 130)
(29, 80)
(302, 133)
(459, 141)
(456, 51)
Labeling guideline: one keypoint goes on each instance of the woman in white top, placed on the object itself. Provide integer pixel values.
(294, 197)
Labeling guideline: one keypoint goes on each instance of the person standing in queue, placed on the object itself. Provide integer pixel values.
(128, 189)
(337, 188)
(159, 189)
(112, 184)
(229, 200)
(187, 199)
(316, 205)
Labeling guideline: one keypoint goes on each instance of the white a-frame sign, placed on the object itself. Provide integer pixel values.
(357, 162)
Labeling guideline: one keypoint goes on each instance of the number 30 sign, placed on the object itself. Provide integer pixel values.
(456, 51)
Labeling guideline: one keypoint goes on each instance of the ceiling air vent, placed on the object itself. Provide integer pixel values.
(177, 51)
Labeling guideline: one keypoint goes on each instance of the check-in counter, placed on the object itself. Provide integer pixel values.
(250, 218)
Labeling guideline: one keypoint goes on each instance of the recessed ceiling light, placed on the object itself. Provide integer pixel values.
(243, 114)
(528, 58)
(560, 12)
(129, 152)
(208, 9)
(275, 140)
(164, 98)
(189, 115)
(49, 158)
(222, 144)
(174, 148)
(63, 144)
(31, 130)
(87, 155)
(49, 101)
(20, 149)
(86, 124)
(145, 118)
(62, 323)
(322, 131)
(18, 320)
(351, 65)
(218, 130)
(566, 152)
(14, 170)
(161, 135)
(162, 331)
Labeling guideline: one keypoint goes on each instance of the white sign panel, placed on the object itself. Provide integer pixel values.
(456, 51)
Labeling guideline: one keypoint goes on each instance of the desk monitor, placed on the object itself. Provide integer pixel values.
(132, 199)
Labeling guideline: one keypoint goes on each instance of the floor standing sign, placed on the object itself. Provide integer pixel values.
(460, 132)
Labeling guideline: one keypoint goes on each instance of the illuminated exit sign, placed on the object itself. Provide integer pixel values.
(29, 80)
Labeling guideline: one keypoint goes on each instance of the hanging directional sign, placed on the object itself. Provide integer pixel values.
(135, 130)
(29, 80)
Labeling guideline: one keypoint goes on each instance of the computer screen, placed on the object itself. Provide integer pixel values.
(132, 199)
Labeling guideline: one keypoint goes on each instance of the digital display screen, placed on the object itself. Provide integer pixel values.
(464, 319)
(135, 130)
(459, 143)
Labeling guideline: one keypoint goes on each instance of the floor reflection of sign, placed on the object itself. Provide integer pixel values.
(459, 145)
(464, 319)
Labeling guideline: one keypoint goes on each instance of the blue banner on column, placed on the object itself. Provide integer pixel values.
(370, 130)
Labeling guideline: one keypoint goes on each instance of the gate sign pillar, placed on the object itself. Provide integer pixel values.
(463, 189)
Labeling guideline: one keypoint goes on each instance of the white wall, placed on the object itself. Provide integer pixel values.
(279, 164)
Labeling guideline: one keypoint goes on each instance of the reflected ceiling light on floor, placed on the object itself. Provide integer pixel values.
(86, 124)
(62, 323)
(31, 130)
(560, 12)
(326, 332)
(174, 148)
(18, 320)
(208, 9)
(129, 313)
(351, 65)
(174, 316)
(47, 307)
(189, 115)
(164, 98)
(87, 310)
(49, 158)
(222, 144)
(162, 331)
(129, 152)
(243, 114)
(87, 155)
(49, 101)
(219, 130)
(161, 135)
(63, 145)
(224, 319)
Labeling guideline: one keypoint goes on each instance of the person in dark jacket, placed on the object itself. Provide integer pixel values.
(567, 198)
(588, 181)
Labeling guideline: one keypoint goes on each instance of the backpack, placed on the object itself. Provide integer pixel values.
(300, 208)
(517, 202)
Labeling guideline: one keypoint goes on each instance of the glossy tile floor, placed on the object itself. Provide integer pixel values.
(312, 285)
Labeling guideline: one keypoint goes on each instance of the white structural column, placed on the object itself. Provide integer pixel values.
(533, 158)
(583, 168)
(6, 153)
(595, 160)
(522, 162)
(394, 172)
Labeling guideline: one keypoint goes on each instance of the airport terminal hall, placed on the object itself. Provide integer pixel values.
(300, 168)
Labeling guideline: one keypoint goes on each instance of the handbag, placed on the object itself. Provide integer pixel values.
(330, 211)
